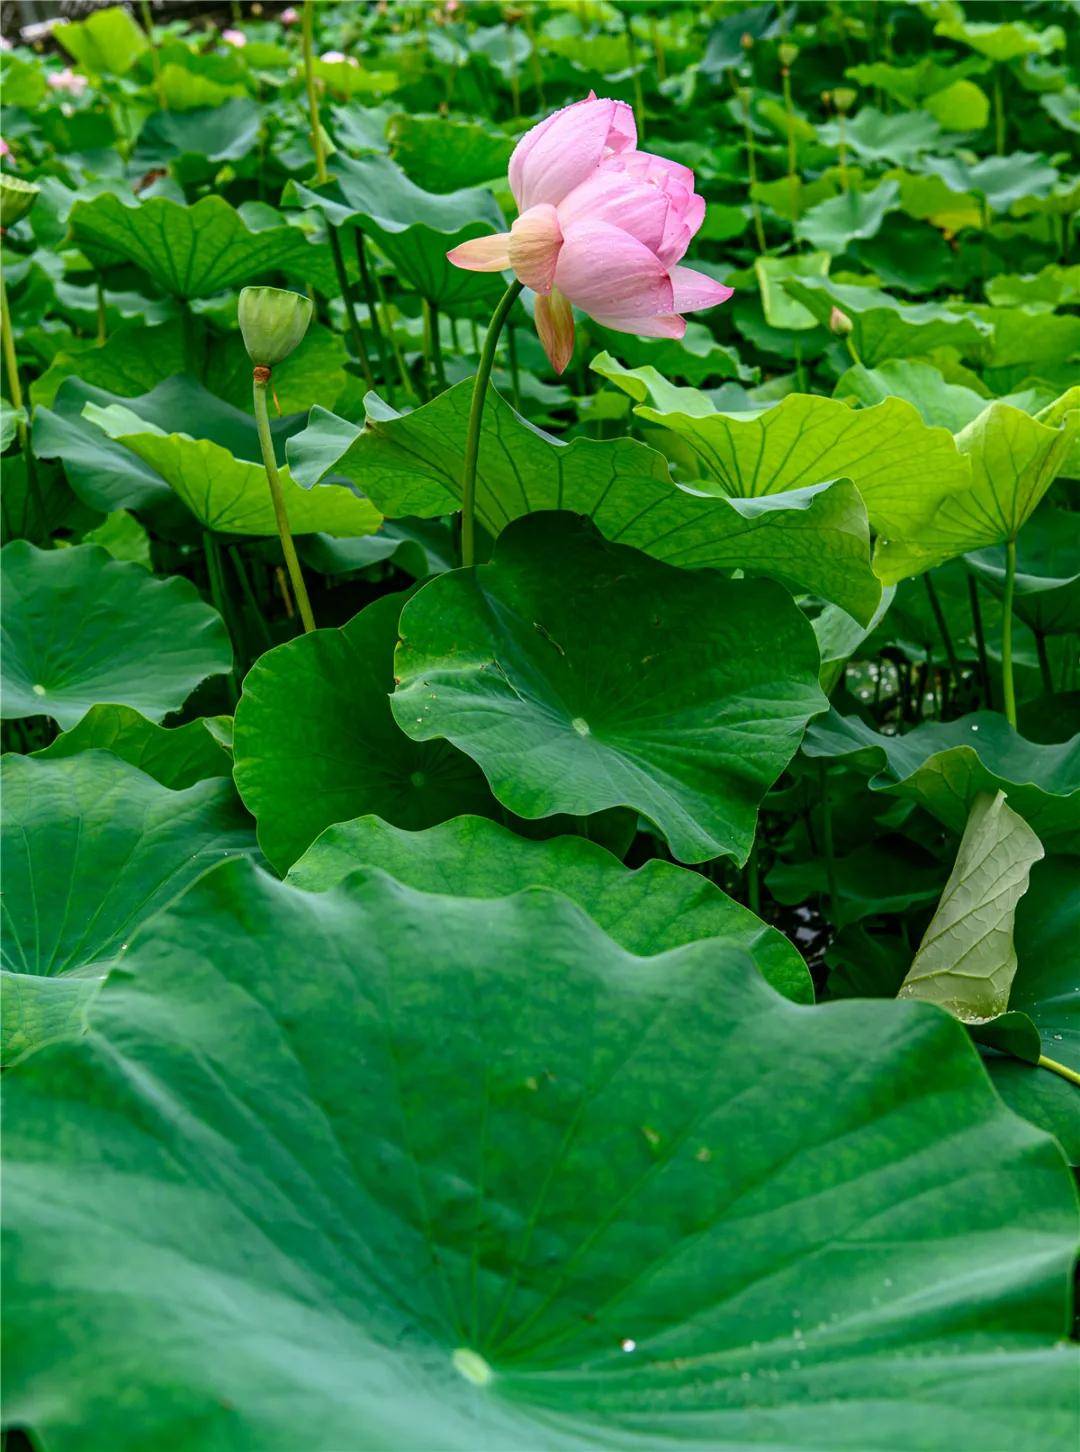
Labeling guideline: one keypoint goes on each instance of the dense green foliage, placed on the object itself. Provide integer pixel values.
(623, 992)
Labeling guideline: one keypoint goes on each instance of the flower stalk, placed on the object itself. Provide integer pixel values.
(476, 418)
(260, 382)
(1007, 684)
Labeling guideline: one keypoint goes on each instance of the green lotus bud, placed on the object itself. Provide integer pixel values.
(840, 323)
(843, 98)
(16, 198)
(272, 321)
(788, 54)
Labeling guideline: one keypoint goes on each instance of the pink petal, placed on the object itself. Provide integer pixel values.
(555, 328)
(535, 239)
(482, 254)
(695, 290)
(610, 196)
(561, 151)
(646, 166)
(667, 325)
(603, 270)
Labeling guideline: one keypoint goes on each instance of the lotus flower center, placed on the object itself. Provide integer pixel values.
(39, 690)
(472, 1366)
(580, 725)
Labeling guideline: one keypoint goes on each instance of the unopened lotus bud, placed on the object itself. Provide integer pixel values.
(272, 322)
(16, 198)
(840, 323)
(843, 98)
(788, 54)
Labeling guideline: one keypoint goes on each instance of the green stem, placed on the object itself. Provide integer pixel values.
(800, 372)
(350, 312)
(853, 350)
(515, 375)
(436, 346)
(155, 59)
(1008, 687)
(999, 114)
(317, 143)
(388, 333)
(1056, 1068)
(373, 313)
(844, 181)
(631, 55)
(943, 631)
(249, 595)
(14, 388)
(980, 642)
(1044, 663)
(827, 841)
(753, 879)
(793, 172)
(102, 323)
(216, 577)
(476, 416)
(288, 549)
(751, 168)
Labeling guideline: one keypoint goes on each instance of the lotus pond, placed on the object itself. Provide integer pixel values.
(540, 693)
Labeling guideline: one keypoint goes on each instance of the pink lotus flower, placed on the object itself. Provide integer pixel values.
(289, 16)
(601, 225)
(67, 80)
(234, 37)
(336, 57)
(5, 149)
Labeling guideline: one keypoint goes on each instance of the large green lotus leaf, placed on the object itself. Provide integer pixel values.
(583, 675)
(103, 474)
(882, 327)
(781, 310)
(1002, 180)
(91, 847)
(1051, 287)
(445, 153)
(195, 143)
(315, 742)
(1046, 593)
(413, 228)
(376, 1169)
(813, 539)
(963, 106)
(875, 136)
(107, 43)
(697, 356)
(835, 223)
(1014, 459)
(1027, 342)
(133, 360)
(1000, 40)
(966, 960)
(660, 906)
(902, 468)
(1047, 983)
(940, 403)
(193, 251)
(175, 756)
(81, 628)
(945, 765)
(230, 495)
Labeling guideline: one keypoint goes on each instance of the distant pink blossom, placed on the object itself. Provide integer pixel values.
(67, 80)
(234, 37)
(602, 226)
(5, 44)
(336, 57)
(5, 149)
(289, 16)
